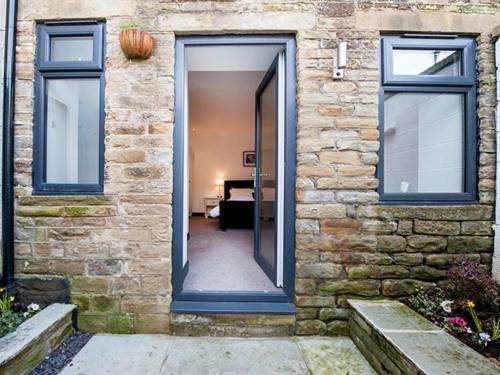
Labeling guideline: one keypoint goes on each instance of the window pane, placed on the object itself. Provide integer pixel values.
(72, 131)
(426, 62)
(423, 143)
(78, 48)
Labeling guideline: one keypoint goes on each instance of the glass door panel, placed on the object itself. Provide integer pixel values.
(267, 123)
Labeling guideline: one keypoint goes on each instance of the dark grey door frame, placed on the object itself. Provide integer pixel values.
(269, 269)
(252, 302)
(7, 274)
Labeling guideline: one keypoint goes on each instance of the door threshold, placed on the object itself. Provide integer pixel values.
(213, 307)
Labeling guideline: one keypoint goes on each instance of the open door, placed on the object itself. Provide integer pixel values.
(269, 171)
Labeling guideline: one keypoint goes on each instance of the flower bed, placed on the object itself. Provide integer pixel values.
(11, 314)
(466, 306)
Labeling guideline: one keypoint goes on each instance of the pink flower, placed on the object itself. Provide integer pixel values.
(458, 321)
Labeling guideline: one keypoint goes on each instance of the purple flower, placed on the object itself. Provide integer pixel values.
(458, 321)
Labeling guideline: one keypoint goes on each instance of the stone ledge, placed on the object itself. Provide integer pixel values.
(397, 340)
(25, 348)
(245, 325)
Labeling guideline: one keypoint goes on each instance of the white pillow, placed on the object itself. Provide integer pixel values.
(241, 194)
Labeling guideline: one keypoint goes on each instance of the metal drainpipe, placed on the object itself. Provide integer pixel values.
(496, 254)
(8, 148)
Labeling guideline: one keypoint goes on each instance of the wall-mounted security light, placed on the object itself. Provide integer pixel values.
(340, 61)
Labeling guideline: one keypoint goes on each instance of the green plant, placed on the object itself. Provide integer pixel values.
(477, 322)
(5, 302)
(129, 25)
(9, 322)
(469, 281)
(427, 304)
(495, 329)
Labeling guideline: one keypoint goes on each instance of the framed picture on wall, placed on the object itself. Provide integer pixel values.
(249, 158)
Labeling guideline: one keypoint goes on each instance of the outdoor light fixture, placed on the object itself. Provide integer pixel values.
(340, 61)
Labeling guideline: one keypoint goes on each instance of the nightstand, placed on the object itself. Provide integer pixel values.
(209, 204)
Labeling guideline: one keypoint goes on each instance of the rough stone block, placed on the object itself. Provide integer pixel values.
(120, 324)
(306, 313)
(305, 286)
(421, 243)
(334, 226)
(477, 228)
(463, 244)
(358, 288)
(320, 270)
(437, 227)
(337, 328)
(310, 327)
(399, 288)
(334, 313)
(391, 244)
(148, 323)
(92, 323)
(408, 259)
(427, 273)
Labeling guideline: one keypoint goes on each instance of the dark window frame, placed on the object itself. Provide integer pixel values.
(47, 32)
(464, 84)
(45, 70)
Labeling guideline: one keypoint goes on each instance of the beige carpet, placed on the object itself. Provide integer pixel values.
(222, 261)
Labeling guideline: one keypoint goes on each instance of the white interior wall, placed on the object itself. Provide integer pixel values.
(440, 141)
(423, 143)
(400, 144)
(62, 132)
(222, 85)
(73, 131)
(222, 126)
(88, 132)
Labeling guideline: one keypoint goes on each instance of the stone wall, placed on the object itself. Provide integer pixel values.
(115, 249)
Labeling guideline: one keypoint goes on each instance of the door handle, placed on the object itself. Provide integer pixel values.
(261, 174)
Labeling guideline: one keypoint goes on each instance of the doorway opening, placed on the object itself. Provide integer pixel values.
(233, 212)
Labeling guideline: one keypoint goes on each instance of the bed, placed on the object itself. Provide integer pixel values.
(236, 213)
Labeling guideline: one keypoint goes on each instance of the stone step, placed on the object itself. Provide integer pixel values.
(396, 340)
(22, 350)
(247, 325)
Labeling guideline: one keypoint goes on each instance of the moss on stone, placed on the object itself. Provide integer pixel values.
(83, 200)
(64, 211)
(92, 323)
(120, 324)
(102, 303)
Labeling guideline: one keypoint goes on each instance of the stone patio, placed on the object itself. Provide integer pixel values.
(158, 354)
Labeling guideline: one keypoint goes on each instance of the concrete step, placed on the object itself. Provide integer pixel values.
(246, 325)
(396, 340)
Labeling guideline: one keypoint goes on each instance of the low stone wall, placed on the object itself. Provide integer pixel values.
(396, 340)
(22, 350)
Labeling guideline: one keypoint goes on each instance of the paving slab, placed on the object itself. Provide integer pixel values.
(399, 339)
(438, 353)
(334, 356)
(387, 315)
(169, 355)
(121, 354)
(230, 355)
